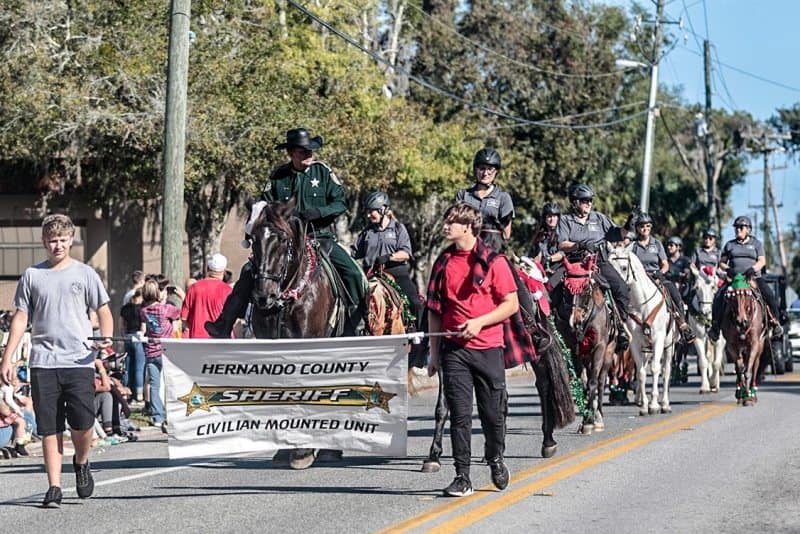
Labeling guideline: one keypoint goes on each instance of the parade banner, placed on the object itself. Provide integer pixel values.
(236, 396)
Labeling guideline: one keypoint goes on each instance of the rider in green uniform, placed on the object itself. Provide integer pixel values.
(320, 199)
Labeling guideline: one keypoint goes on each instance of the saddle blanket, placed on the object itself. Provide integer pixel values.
(229, 397)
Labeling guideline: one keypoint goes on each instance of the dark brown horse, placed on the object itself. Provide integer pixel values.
(590, 333)
(744, 325)
(293, 295)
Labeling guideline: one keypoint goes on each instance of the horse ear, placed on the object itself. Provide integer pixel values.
(289, 207)
(248, 203)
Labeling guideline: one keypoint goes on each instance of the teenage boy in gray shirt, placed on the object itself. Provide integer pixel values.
(55, 296)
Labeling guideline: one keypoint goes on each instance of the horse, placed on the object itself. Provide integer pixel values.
(652, 327)
(293, 295)
(552, 385)
(744, 326)
(590, 332)
(710, 354)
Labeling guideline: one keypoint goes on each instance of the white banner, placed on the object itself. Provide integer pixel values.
(236, 396)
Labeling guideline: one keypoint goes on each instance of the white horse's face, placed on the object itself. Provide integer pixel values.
(705, 288)
(619, 255)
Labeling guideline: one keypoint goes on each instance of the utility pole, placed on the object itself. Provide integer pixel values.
(649, 138)
(711, 182)
(173, 218)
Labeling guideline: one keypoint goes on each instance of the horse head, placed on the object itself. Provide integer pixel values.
(276, 237)
(743, 309)
(705, 286)
(622, 258)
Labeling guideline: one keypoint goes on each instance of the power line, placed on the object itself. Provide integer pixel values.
(705, 16)
(750, 74)
(718, 72)
(545, 123)
(516, 61)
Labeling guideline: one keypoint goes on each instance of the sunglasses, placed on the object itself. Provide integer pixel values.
(741, 226)
(585, 200)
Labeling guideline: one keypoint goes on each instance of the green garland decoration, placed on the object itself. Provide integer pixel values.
(408, 316)
(575, 383)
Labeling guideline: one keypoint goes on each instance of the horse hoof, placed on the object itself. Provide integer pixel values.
(301, 458)
(586, 429)
(704, 391)
(599, 427)
(666, 409)
(431, 466)
(715, 390)
(548, 451)
(281, 458)
(329, 456)
(643, 411)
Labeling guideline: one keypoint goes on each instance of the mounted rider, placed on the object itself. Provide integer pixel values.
(654, 259)
(744, 255)
(496, 209)
(385, 243)
(679, 272)
(320, 199)
(706, 257)
(544, 247)
(584, 231)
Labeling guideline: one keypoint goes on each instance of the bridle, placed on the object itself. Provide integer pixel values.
(286, 260)
(630, 272)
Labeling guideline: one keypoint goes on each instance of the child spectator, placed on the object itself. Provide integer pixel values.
(157, 318)
(15, 421)
(131, 321)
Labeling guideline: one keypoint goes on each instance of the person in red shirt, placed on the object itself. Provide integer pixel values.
(470, 295)
(205, 298)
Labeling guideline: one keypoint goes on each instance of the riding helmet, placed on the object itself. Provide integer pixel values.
(550, 208)
(581, 192)
(710, 232)
(487, 156)
(742, 220)
(675, 240)
(643, 218)
(377, 200)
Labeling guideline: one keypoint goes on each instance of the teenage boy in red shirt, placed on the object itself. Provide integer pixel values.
(470, 294)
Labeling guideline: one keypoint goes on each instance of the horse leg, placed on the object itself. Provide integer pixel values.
(641, 366)
(545, 390)
(717, 363)
(665, 406)
(432, 463)
(702, 362)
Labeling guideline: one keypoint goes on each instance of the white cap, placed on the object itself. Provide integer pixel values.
(217, 263)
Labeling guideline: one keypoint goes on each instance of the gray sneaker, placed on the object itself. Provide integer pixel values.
(84, 482)
(500, 474)
(459, 487)
(52, 499)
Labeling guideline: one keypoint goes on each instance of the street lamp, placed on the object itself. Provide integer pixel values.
(649, 137)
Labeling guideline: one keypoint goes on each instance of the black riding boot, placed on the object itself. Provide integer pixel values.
(356, 320)
(716, 314)
(235, 307)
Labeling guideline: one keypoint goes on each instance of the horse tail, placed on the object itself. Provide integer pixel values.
(555, 365)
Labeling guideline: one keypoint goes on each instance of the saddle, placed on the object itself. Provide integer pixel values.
(340, 295)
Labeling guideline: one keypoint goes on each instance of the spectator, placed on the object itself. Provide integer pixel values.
(103, 401)
(11, 419)
(204, 300)
(137, 281)
(131, 321)
(157, 317)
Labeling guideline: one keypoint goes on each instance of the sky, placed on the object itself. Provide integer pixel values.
(758, 37)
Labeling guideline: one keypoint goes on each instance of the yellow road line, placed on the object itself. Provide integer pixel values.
(788, 377)
(507, 499)
(518, 478)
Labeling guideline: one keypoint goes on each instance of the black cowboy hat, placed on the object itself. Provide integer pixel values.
(299, 137)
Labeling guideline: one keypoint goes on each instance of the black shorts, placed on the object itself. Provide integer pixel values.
(60, 393)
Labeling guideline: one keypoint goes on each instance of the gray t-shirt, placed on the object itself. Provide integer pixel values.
(741, 256)
(57, 303)
(650, 255)
(374, 242)
(497, 208)
(706, 258)
(591, 231)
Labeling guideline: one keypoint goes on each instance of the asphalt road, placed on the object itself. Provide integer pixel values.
(710, 466)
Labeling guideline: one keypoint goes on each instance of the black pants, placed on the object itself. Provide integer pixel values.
(763, 288)
(675, 295)
(619, 289)
(482, 370)
(403, 279)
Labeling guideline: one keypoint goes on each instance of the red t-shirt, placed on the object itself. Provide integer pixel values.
(463, 300)
(203, 302)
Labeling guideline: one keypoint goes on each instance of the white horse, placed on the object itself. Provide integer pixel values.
(651, 326)
(705, 287)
